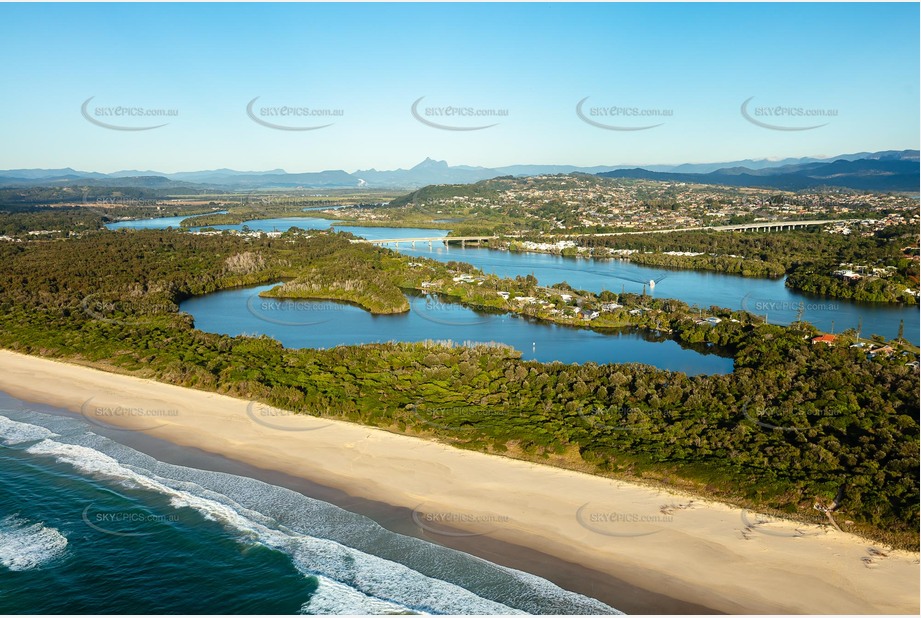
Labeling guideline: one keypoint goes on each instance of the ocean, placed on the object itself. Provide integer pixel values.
(90, 525)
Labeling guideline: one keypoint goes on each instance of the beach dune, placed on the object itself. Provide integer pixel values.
(717, 556)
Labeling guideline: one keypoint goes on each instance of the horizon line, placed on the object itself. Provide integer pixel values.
(616, 166)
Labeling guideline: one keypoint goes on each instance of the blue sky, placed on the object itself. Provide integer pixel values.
(696, 64)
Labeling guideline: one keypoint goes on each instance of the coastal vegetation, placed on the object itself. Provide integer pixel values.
(240, 207)
(808, 257)
(796, 428)
(57, 222)
(360, 275)
(873, 289)
(545, 209)
(729, 264)
(18, 220)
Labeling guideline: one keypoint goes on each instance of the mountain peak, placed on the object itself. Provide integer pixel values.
(430, 164)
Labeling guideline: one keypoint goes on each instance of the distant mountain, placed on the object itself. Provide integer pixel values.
(138, 182)
(749, 164)
(217, 180)
(789, 164)
(536, 170)
(228, 179)
(432, 172)
(33, 174)
(429, 172)
(889, 170)
(882, 171)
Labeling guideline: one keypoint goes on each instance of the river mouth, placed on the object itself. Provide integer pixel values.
(323, 324)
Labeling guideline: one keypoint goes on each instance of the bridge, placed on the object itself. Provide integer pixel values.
(775, 226)
(463, 240)
(769, 226)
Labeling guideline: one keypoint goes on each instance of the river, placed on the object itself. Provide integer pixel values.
(326, 324)
(769, 298)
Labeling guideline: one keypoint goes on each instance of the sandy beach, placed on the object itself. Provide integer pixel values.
(703, 553)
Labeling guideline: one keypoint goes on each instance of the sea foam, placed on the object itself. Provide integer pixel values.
(378, 585)
(13, 432)
(360, 567)
(25, 546)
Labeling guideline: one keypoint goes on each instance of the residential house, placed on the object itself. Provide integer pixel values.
(886, 349)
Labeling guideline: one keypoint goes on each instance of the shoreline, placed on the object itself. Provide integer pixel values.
(570, 576)
(704, 554)
(674, 267)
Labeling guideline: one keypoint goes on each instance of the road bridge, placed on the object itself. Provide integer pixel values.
(767, 226)
(463, 240)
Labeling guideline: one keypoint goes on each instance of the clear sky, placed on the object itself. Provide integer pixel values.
(698, 63)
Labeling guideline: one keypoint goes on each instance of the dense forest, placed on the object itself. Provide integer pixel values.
(18, 220)
(73, 194)
(793, 426)
(58, 222)
(808, 257)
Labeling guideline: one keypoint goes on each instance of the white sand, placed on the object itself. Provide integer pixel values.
(700, 554)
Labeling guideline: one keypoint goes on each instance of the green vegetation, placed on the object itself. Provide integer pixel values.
(808, 257)
(868, 289)
(366, 277)
(745, 267)
(58, 221)
(464, 209)
(793, 425)
(61, 212)
(253, 206)
(17, 220)
(77, 195)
